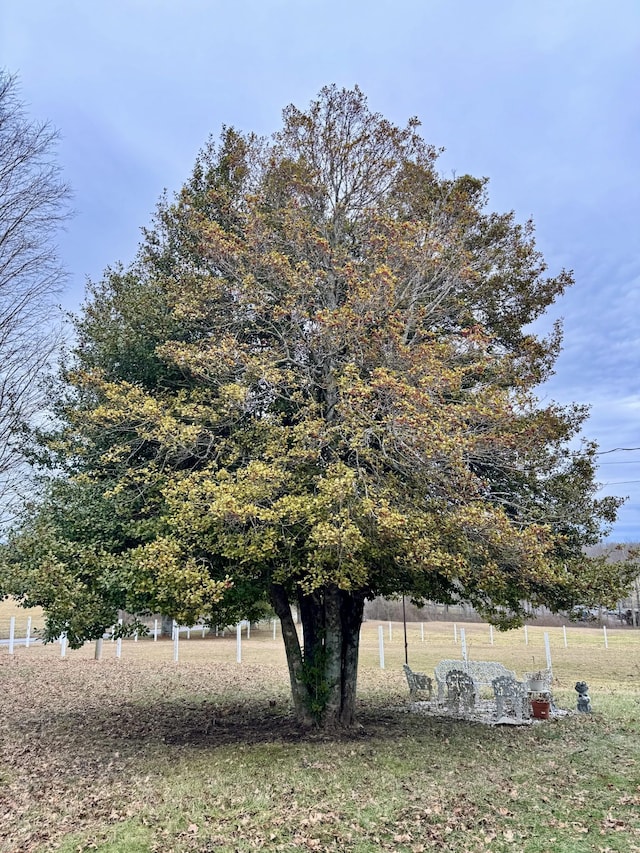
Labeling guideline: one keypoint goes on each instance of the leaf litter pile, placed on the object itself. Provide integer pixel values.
(137, 757)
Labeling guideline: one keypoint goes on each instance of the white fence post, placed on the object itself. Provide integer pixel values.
(119, 643)
(239, 642)
(176, 641)
(63, 645)
(248, 630)
(204, 627)
(463, 643)
(491, 634)
(155, 630)
(98, 652)
(390, 632)
(274, 629)
(606, 641)
(526, 636)
(12, 633)
(547, 648)
(28, 637)
(381, 645)
(455, 633)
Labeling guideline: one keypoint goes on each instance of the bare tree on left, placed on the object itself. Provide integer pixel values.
(34, 203)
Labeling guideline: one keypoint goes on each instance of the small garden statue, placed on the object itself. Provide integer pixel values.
(584, 702)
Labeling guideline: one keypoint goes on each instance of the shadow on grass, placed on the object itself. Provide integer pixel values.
(210, 725)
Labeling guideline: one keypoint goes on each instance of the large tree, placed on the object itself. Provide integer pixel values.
(33, 205)
(314, 385)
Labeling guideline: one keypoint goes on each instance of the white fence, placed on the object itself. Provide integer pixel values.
(22, 634)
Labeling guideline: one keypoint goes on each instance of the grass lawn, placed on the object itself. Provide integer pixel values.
(142, 754)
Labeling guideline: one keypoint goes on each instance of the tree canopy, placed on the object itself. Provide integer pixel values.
(316, 384)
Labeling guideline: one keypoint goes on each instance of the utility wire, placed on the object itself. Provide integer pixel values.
(616, 450)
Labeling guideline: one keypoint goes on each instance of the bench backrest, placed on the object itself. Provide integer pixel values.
(482, 671)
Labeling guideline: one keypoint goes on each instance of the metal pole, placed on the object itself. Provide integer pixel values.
(404, 625)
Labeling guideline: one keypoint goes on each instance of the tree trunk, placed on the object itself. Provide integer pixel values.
(299, 693)
(324, 675)
(166, 626)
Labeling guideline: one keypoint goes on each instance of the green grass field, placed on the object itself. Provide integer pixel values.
(142, 754)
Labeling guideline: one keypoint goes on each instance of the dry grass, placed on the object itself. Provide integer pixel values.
(141, 754)
(9, 608)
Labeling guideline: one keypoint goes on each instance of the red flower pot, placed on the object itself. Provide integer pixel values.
(540, 708)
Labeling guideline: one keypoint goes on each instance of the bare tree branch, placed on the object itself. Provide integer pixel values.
(33, 206)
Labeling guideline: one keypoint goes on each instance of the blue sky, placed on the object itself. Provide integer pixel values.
(541, 97)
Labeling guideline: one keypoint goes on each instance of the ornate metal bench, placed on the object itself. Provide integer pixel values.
(460, 691)
(417, 681)
(481, 671)
(511, 694)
